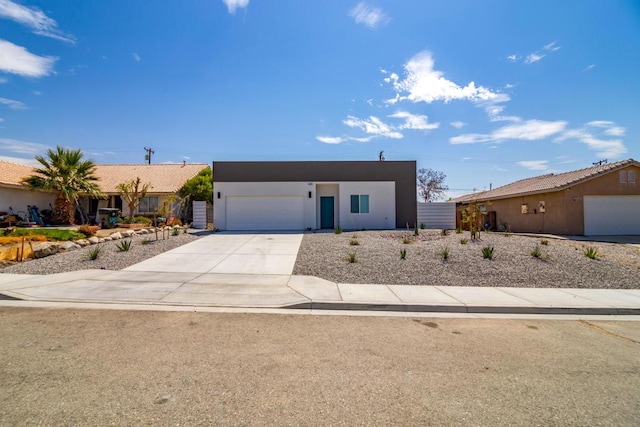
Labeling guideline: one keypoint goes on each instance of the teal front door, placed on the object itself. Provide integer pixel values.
(326, 212)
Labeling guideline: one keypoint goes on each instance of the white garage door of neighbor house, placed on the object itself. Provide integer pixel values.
(265, 213)
(611, 215)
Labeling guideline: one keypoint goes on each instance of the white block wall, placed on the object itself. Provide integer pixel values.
(440, 215)
(199, 215)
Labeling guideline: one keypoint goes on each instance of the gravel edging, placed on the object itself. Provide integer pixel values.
(378, 261)
(110, 258)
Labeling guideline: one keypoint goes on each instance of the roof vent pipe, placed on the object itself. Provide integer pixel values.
(490, 186)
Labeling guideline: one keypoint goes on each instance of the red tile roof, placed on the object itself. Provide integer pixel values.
(546, 183)
(164, 178)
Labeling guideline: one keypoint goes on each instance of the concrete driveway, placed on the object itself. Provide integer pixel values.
(229, 253)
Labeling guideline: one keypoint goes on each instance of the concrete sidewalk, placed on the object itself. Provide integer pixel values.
(305, 292)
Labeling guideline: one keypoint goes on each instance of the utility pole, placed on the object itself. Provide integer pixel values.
(600, 163)
(147, 157)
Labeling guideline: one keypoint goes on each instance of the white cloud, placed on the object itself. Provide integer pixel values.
(414, 121)
(493, 111)
(368, 15)
(589, 67)
(13, 104)
(233, 5)
(33, 18)
(529, 130)
(533, 57)
(423, 83)
(458, 124)
(16, 59)
(22, 147)
(3, 80)
(513, 58)
(535, 165)
(537, 56)
(373, 126)
(588, 135)
(136, 57)
(330, 139)
(37, 93)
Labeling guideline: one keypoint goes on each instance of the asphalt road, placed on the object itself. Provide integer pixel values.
(93, 367)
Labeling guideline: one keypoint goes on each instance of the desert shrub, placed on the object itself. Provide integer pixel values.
(94, 253)
(464, 241)
(124, 245)
(354, 242)
(544, 242)
(88, 230)
(488, 252)
(407, 240)
(444, 232)
(175, 231)
(415, 230)
(445, 253)
(422, 226)
(537, 253)
(403, 254)
(592, 252)
(337, 230)
(351, 257)
(458, 230)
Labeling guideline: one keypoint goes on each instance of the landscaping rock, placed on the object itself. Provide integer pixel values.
(128, 233)
(108, 239)
(143, 231)
(83, 242)
(69, 246)
(116, 236)
(102, 240)
(45, 249)
(94, 240)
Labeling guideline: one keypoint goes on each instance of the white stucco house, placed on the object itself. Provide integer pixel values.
(314, 195)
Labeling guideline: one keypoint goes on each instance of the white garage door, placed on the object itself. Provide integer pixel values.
(611, 215)
(265, 213)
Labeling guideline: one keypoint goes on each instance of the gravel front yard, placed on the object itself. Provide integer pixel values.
(110, 257)
(378, 261)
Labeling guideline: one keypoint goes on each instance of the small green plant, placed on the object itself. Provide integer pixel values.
(415, 229)
(464, 241)
(488, 252)
(537, 253)
(422, 226)
(337, 230)
(445, 253)
(94, 253)
(351, 257)
(354, 242)
(403, 254)
(407, 240)
(458, 230)
(544, 242)
(592, 252)
(176, 231)
(124, 245)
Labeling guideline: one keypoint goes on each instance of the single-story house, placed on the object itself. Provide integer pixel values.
(598, 200)
(302, 195)
(165, 179)
(16, 196)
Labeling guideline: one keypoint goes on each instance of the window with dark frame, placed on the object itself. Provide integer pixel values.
(360, 203)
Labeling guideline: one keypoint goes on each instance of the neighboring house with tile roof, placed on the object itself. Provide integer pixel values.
(16, 195)
(599, 200)
(165, 179)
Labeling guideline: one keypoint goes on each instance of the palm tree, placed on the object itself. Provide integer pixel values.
(66, 173)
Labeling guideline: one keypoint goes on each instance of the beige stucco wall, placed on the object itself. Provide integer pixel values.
(564, 209)
(19, 198)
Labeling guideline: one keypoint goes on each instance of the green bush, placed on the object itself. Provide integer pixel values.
(403, 254)
(544, 242)
(351, 257)
(445, 253)
(337, 230)
(422, 226)
(94, 253)
(488, 252)
(124, 245)
(464, 241)
(592, 252)
(458, 230)
(50, 233)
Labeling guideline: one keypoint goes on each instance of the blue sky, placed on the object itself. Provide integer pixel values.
(485, 91)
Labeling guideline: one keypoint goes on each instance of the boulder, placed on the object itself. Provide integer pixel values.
(116, 236)
(45, 249)
(107, 239)
(69, 246)
(94, 240)
(143, 231)
(128, 233)
(82, 242)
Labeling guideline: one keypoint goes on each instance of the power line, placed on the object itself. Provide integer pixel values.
(149, 151)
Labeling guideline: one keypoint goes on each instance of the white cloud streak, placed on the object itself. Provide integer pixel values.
(535, 165)
(422, 83)
(368, 15)
(414, 121)
(458, 124)
(16, 59)
(13, 104)
(136, 57)
(17, 146)
(529, 130)
(373, 126)
(589, 135)
(233, 5)
(35, 19)
(330, 139)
